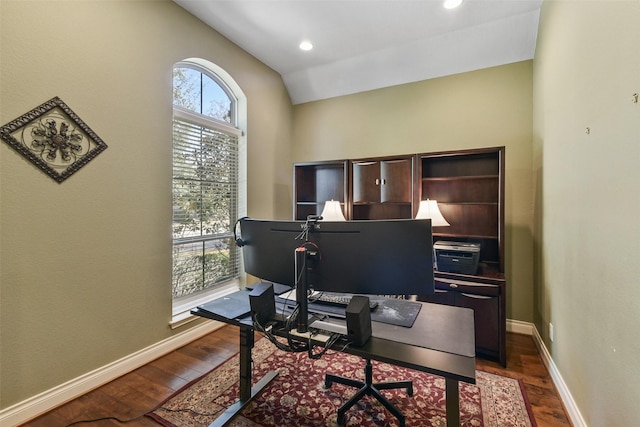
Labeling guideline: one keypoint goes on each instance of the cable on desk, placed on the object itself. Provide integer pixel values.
(292, 347)
(333, 338)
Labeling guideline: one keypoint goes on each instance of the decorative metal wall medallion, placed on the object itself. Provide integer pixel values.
(54, 138)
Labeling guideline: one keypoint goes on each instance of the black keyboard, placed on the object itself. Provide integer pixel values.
(339, 300)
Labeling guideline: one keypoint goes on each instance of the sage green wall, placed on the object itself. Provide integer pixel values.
(485, 108)
(587, 199)
(85, 266)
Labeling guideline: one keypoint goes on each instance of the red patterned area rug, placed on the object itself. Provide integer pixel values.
(297, 397)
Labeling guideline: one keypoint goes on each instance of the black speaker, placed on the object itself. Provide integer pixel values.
(358, 320)
(262, 302)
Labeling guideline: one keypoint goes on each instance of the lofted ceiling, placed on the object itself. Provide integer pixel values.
(361, 45)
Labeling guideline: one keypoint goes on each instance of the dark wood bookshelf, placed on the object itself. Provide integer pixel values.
(469, 188)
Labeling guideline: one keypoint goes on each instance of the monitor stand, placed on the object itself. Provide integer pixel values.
(302, 256)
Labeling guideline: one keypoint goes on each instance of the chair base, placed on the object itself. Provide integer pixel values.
(368, 388)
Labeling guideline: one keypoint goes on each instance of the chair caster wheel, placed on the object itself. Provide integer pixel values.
(410, 391)
(340, 420)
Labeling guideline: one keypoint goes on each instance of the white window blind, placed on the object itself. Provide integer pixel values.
(205, 206)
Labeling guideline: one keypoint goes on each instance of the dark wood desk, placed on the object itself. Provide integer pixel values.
(441, 342)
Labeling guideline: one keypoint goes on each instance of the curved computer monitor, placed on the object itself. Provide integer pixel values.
(378, 257)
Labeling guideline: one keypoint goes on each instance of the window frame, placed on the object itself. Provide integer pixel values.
(221, 83)
(181, 306)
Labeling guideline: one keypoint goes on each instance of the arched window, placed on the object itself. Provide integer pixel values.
(198, 90)
(207, 177)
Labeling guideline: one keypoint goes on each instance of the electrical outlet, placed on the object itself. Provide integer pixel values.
(551, 331)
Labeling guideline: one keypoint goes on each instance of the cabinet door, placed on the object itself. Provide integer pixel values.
(486, 316)
(396, 181)
(366, 182)
(486, 297)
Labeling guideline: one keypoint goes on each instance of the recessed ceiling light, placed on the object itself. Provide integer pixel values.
(452, 4)
(306, 45)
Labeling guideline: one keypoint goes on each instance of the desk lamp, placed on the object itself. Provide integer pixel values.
(332, 211)
(429, 209)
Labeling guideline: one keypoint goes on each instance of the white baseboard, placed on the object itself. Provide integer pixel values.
(519, 327)
(565, 395)
(43, 402)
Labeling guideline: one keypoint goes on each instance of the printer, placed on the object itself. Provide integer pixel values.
(456, 257)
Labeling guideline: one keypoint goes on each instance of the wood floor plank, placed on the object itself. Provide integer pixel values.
(143, 389)
(182, 365)
(154, 374)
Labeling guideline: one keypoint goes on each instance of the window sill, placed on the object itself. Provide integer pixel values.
(182, 310)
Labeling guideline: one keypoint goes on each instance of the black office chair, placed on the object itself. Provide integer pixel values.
(368, 387)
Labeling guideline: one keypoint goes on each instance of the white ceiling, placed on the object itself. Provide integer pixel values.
(361, 45)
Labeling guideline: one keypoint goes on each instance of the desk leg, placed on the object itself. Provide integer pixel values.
(453, 402)
(246, 391)
(246, 344)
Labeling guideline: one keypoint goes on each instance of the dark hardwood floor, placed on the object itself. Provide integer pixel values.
(132, 395)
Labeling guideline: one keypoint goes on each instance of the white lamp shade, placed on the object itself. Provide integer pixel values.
(452, 4)
(332, 211)
(429, 209)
